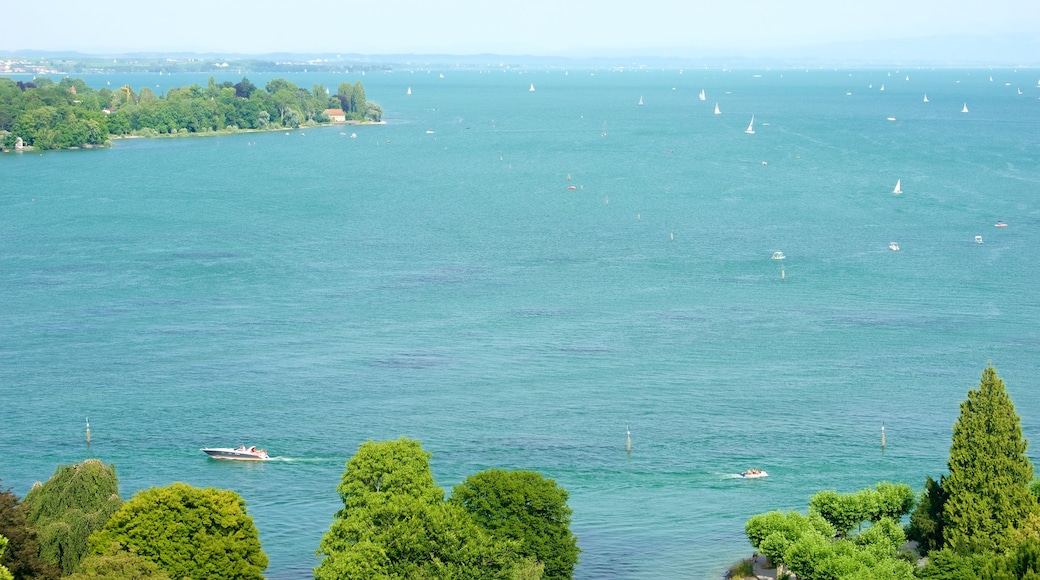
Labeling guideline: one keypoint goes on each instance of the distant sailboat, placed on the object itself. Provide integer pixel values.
(532, 88)
(1020, 91)
(898, 190)
(882, 87)
(717, 111)
(409, 91)
(965, 109)
(907, 77)
(640, 100)
(701, 96)
(926, 98)
(751, 126)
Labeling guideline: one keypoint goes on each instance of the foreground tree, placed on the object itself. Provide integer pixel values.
(926, 523)
(395, 524)
(525, 507)
(987, 491)
(188, 532)
(22, 556)
(74, 503)
(5, 574)
(118, 564)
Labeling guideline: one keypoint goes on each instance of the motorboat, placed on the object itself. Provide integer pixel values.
(893, 246)
(978, 239)
(1000, 225)
(241, 453)
(778, 256)
(754, 474)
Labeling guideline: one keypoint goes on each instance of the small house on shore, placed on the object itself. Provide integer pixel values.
(336, 115)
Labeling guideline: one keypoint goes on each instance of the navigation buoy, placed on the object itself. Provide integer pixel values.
(629, 433)
(782, 275)
(882, 436)
(88, 431)
(672, 236)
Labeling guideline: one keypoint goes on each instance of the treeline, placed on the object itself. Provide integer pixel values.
(981, 521)
(57, 115)
(395, 524)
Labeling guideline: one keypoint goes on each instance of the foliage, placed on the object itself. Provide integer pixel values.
(987, 491)
(742, 569)
(773, 533)
(846, 511)
(49, 115)
(118, 564)
(926, 524)
(22, 557)
(525, 507)
(74, 503)
(187, 531)
(396, 524)
(5, 574)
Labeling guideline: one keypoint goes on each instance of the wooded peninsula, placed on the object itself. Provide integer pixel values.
(44, 114)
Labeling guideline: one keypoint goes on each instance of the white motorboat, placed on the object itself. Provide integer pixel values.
(754, 474)
(241, 453)
(778, 256)
(893, 246)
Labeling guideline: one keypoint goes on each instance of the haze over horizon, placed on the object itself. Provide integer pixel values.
(571, 29)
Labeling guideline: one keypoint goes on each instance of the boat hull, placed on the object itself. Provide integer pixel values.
(236, 454)
(754, 475)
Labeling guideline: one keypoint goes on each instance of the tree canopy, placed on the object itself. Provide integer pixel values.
(396, 524)
(22, 556)
(49, 115)
(5, 574)
(987, 490)
(525, 507)
(118, 564)
(187, 531)
(74, 503)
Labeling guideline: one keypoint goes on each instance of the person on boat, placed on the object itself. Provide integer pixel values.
(241, 448)
(252, 449)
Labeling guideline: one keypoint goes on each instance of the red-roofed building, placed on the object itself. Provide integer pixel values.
(336, 115)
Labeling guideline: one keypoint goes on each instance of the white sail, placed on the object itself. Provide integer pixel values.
(717, 111)
(926, 98)
(1020, 91)
(965, 109)
(532, 88)
(898, 189)
(882, 87)
(751, 126)
(409, 91)
(640, 100)
(701, 96)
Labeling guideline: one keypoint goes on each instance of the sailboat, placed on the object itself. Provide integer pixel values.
(409, 91)
(701, 96)
(965, 109)
(882, 87)
(898, 190)
(1020, 91)
(640, 100)
(532, 88)
(926, 98)
(751, 126)
(717, 111)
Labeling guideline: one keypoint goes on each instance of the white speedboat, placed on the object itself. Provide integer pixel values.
(893, 246)
(241, 453)
(778, 256)
(754, 474)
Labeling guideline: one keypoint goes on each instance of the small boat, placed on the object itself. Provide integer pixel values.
(532, 88)
(898, 189)
(978, 239)
(1000, 225)
(717, 111)
(893, 246)
(353, 135)
(751, 126)
(640, 103)
(779, 256)
(926, 97)
(1020, 91)
(891, 118)
(429, 131)
(409, 91)
(882, 87)
(701, 96)
(965, 109)
(571, 188)
(754, 474)
(240, 453)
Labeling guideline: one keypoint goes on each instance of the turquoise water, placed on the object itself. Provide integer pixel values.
(306, 292)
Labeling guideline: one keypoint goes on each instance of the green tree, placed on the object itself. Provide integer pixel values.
(926, 523)
(22, 556)
(525, 507)
(187, 531)
(74, 503)
(988, 487)
(844, 511)
(395, 524)
(5, 574)
(118, 564)
(774, 533)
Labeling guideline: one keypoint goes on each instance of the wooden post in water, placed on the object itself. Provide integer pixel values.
(882, 436)
(88, 431)
(629, 433)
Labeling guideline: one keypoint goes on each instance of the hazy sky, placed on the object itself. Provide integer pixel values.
(538, 27)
